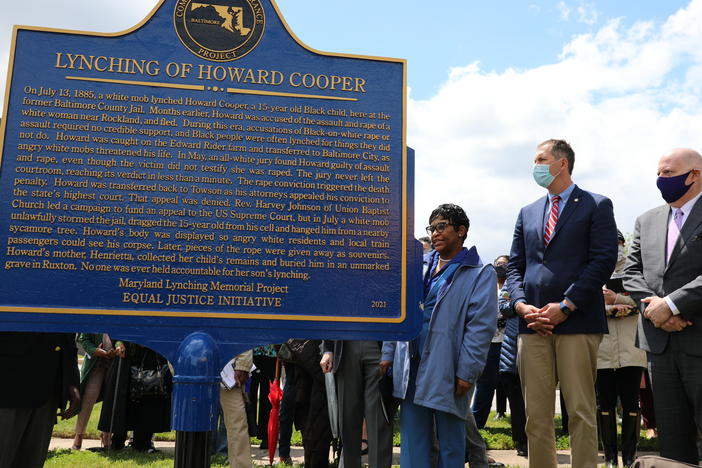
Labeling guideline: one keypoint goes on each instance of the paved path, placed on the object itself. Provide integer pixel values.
(260, 457)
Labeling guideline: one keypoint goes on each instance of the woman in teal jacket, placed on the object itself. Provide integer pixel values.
(434, 373)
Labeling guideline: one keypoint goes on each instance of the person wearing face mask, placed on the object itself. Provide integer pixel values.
(664, 275)
(619, 367)
(564, 249)
(488, 381)
(509, 375)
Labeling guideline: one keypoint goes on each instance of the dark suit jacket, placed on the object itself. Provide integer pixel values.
(37, 366)
(646, 274)
(576, 263)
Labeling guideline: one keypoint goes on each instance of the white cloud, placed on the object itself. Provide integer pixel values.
(564, 10)
(621, 96)
(584, 12)
(587, 13)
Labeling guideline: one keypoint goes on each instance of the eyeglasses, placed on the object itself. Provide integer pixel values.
(438, 227)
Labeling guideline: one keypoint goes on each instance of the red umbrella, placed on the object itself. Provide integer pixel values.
(275, 396)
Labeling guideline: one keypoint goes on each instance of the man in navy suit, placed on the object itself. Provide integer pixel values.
(564, 249)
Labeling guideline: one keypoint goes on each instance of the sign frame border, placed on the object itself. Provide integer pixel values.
(224, 315)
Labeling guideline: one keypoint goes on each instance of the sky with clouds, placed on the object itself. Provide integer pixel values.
(621, 81)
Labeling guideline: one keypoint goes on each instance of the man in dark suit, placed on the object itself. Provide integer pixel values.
(41, 374)
(564, 249)
(355, 364)
(664, 273)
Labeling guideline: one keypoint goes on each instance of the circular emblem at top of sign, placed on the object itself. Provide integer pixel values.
(219, 30)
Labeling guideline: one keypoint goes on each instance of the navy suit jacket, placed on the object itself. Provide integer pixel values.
(576, 263)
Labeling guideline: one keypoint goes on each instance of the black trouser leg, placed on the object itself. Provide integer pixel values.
(142, 440)
(513, 389)
(316, 458)
(608, 434)
(606, 386)
(630, 437)
(118, 441)
(485, 386)
(564, 414)
(500, 398)
(266, 366)
(287, 411)
(628, 380)
(646, 398)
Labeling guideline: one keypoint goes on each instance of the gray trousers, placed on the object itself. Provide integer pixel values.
(359, 395)
(676, 380)
(25, 434)
(475, 445)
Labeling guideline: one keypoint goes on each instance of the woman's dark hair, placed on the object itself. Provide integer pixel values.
(453, 213)
(501, 256)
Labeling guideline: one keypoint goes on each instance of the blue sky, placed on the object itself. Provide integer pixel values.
(503, 34)
(621, 80)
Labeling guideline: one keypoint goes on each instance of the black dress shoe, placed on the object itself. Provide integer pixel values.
(523, 450)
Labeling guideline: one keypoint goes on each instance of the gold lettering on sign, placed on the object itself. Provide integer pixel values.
(157, 189)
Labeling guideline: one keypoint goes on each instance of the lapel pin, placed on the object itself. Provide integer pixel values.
(576, 200)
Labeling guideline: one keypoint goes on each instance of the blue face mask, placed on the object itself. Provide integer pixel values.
(542, 175)
(673, 188)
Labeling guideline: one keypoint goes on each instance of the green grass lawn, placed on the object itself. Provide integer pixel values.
(497, 435)
(65, 430)
(123, 459)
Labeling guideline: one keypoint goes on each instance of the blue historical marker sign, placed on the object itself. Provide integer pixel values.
(205, 171)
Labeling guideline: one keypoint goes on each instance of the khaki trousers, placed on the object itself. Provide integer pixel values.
(543, 362)
(238, 443)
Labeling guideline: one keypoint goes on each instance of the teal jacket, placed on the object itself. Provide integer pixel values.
(460, 330)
